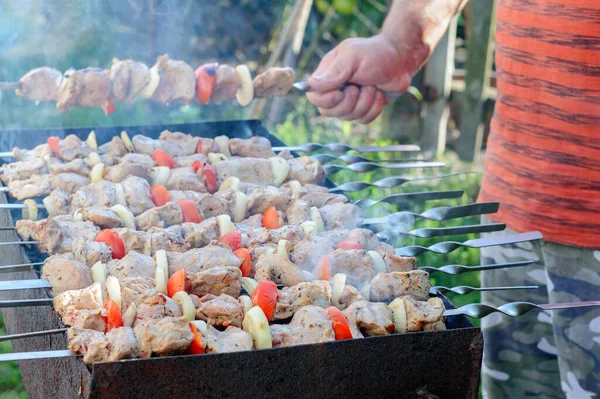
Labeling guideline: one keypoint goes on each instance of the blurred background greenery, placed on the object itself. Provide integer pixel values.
(67, 33)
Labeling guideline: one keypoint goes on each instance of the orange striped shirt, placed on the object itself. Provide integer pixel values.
(543, 154)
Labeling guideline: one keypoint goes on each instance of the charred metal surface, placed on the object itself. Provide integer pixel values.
(442, 364)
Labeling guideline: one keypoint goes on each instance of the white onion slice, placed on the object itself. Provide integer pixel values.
(120, 194)
(30, 211)
(114, 290)
(93, 159)
(245, 93)
(189, 311)
(315, 215)
(309, 228)
(239, 210)
(280, 168)
(129, 316)
(214, 157)
(127, 141)
(78, 215)
(231, 182)
(150, 88)
(160, 281)
(225, 224)
(308, 276)
(125, 215)
(256, 324)
(49, 207)
(201, 326)
(99, 272)
(365, 291)
(91, 141)
(249, 284)
(161, 260)
(339, 282)
(282, 249)
(223, 143)
(246, 302)
(296, 188)
(378, 262)
(159, 175)
(399, 315)
(97, 172)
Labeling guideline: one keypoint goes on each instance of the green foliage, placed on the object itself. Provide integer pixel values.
(11, 386)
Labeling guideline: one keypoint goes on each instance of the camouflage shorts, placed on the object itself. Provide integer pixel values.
(542, 354)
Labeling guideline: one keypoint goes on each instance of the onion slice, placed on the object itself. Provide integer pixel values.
(296, 188)
(159, 175)
(239, 210)
(280, 168)
(189, 311)
(120, 194)
(339, 282)
(114, 289)
(231, 182)
(127, 141)
(223, 143)
(49, 207)
(160, 281)
(125, 215)
(91, 141)
(399, 315)
(162, 261)
(245, 93)
(249, 284)
(97, 172)
(225, 225)
(93, 159)
(129, 316)
(256, 324)
(309, 227)
(282, 249)
(378, 262)
(201, 326)
(78, 215)
(214, 157)
(308, 276)
(315, 215)
(99, 272)
(246, 302)
(150, 88)
(30, 211)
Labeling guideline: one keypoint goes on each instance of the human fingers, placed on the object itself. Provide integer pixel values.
(366, 98)
(399, 83)
(335, 69)
(375, 110)
(325, 100)
(346, 105)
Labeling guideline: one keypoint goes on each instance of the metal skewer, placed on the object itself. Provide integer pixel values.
(514, 309)
(465, 289)
(22, 303)
(439, 214)
(18, 285)
(32, 334)
(460, 269)
(19, 206)
(364, 167)
(428, 232)
(305, 88)
(342, 148)
(388, 182)
(354, 158)
(10, 85)
(19, 268)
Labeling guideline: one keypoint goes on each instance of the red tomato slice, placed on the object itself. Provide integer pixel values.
(232, 239)
(197, 165)
(271, 218)
(109, 107)
(199, 147)
(324, 268)
(114, 241)
(160, 195)
(246, 265)
(189, 210)
(197, 345)
(163, 159)
(54, 142)
(113, 315)
(205, 81)
(265, 296)
(348, 244)
(208, 173)
(341, 328)
(176, 283)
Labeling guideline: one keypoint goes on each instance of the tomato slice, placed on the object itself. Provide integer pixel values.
(271, 218)
(54, 142)
(109, 107)
(113, 315)
(348, 244)
(208, 173)
(341, 328)
(206, 75)
(160, 195)
(246, 265)
(163, 159)
(197, 165)
(189, 211)
(232, 239)
(176, 283)
(199, 147)
(265, 296)
(114, 241)
(197, 345)
(324, 268)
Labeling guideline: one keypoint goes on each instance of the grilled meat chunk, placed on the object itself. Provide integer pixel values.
(220, 311)
(86, 298)
(91, 319)
(233, 339)
(93, 345)
(177, 81)
(89, 87)
(355, 263)
(395, 263)
(306, 170)
(40, 185)
(136, 290)
(350, 294)
(310, 325)
(249, 170)
(71, 147)
(200, 259)
(386, 286)
(290, 299)
(38, 151)
(262, 235)
(340, 216)
(134, 264)
(66, 274)
(263, 198)
(207, 145)
(274, 82)
(102, 194)
(105, 218)
(368, 319)
(119, 172)
(212, 206)
(137, 194)
(227, 83)
(77, 166)
(90, 252)
(258, 147)
(141, 159)
(162, 216)
(319, 199)
(156, 307)
(424, 315)
(115, 148)
(57, 203)
(185, 179)
(122, 343)
(216, 280)
(129, 78)
(298, 212)
(188, 160)
(278, 269)
(40, 84)
(168, 336)
(56, 235)
(22, 170)
(309, 251)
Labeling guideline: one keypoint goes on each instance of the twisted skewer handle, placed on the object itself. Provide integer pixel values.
(514, 309)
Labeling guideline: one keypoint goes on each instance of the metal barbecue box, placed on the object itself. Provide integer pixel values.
(444, 364)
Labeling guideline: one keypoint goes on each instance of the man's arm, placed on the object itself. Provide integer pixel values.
(385, 62)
